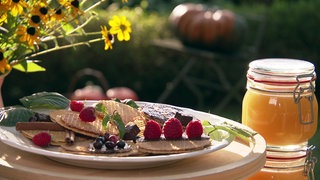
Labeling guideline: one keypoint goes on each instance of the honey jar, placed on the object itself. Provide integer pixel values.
(280, 104)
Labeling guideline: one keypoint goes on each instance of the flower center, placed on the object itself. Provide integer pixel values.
(35, 18)
(110, 36)
(1, 56)
(123, 27)
(58, 12)
(31, 31)
(16, 1)
(43, 10)
(75, 3)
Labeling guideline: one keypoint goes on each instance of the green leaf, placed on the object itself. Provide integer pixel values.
(105, 121)
(120, 125)
(131, 103)
(30, 66)
(101, 108)
(9, 116)
(48, 100)
(241, 133)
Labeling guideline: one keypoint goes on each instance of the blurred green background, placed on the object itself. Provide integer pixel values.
(291, 31)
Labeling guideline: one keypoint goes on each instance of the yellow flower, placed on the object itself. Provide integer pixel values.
(58, 16)
(73, 6)
(16, 7)
(4, 63)
(121, 27)
(40, 12)
(108, 38)
(28, 35)
(3, 18)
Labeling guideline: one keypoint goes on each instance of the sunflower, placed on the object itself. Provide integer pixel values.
(28, 34)
(4, 65)
(121, 27)
(16, 7)
(108, 38)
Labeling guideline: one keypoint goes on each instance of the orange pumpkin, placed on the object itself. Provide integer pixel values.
(212, 29)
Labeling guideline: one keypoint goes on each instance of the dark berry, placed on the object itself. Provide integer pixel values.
(113, 138)
(97, 144)
(101, 138)
(121, 144)
(110, 145)
(106, 136)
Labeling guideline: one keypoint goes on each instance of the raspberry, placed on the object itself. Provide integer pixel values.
(194, 129)
(76, 105)
(152, 130)
(87, 114)
(42, 139)
(172, 129)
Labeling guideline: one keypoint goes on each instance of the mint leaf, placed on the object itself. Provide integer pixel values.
(101, 108)
(211, 130)
(105, 121)
(120, 125)
(48, 100)
(131, 103)
(9, 116)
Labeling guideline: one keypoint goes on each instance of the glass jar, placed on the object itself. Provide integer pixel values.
(280, 104)
(282, 169)
(288, 169)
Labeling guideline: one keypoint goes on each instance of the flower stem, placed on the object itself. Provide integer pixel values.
(56, 49)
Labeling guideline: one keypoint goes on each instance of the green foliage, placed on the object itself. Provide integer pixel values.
(291, 31)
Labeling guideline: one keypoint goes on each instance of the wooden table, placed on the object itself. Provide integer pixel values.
(236, 161)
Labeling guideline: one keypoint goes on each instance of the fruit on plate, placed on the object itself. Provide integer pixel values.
(88, 114)
(76, 105)
(42, 139)
(172, 129)
(194, 129)
(152, 130)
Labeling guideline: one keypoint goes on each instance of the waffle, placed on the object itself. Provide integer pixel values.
(126, 112)
(172, 146)
(57, 137)
(82, 148)
(70, 119)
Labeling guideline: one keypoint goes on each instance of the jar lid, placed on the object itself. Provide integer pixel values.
(281, 70)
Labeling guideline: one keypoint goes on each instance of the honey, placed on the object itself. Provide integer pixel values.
(276, 169)
(280, 104)
(276, 118)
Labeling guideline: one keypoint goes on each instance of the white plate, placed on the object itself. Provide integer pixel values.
(11, 137)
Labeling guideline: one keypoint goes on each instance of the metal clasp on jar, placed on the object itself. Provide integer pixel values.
(297, 95)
